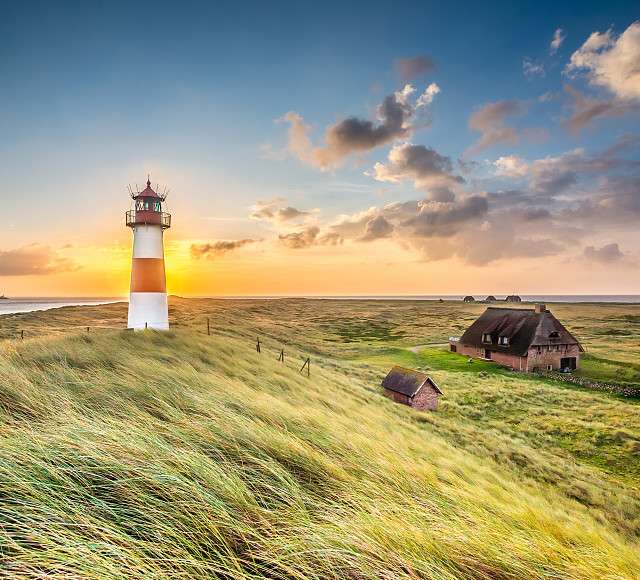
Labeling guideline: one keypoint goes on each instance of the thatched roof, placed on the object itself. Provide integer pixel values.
(522, 327)
(407, 382)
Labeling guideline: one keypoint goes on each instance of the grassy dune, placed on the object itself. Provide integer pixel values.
(154, 454)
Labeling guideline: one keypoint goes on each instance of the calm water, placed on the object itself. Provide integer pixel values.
(15, 305)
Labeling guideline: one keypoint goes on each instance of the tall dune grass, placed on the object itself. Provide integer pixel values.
(177, 454)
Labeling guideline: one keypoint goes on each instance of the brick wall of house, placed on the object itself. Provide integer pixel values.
(426, 399)
(540, 358)
(397, 397)
(517, 363)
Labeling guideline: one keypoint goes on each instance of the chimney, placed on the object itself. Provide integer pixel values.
(540, 308)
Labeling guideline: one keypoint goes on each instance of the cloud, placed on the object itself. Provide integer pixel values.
(586, 110)
(411, 68)
(532, 68)
(273, 210)
(611, 62)
(302, 239)
(511, 166)
(552, 175)
(436, 219)
(424, 166)
(34, 260)
(376, 229)
(218, 249)
(556, 41)
(426, 98)
(396, 117)
(489, 121)
(605, 255)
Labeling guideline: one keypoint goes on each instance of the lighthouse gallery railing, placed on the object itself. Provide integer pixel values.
(140, 217)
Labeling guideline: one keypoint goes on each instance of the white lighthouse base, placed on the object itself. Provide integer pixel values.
(148, 310)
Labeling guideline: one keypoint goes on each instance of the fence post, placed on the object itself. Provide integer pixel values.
(208, 328)
(146, 325)
(87, 329)
(22, 334)
(258, 344)
(281, 356)
(307, 363)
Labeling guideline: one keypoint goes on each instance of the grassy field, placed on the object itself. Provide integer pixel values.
(181, 454)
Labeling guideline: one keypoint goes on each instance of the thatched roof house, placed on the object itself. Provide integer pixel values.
(468, 299)
(412, 388)
(490, 298)
(513, 298)
(523, 339)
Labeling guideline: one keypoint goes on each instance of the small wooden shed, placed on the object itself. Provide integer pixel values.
(412, 388)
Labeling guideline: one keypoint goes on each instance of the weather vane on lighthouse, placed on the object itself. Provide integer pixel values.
(148, 297)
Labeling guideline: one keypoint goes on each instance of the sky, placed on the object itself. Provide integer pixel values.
(323, 149)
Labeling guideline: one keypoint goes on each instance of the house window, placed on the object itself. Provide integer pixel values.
(554, 334)
(486, 337)
(503, 340)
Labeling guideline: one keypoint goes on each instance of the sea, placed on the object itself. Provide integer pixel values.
(17, 305)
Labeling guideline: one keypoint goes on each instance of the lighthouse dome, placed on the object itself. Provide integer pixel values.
(147, 191)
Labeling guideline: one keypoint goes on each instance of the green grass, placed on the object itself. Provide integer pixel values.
(181, 454)
(609, 371)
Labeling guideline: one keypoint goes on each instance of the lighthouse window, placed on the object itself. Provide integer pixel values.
(139, 204)
(156, 206)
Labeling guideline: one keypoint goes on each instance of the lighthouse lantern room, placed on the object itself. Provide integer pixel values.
(148, 293)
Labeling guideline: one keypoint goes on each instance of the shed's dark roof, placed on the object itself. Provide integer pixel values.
(523, 328)
(407, 382)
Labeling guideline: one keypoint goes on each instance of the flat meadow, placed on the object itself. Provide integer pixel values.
(190, 454)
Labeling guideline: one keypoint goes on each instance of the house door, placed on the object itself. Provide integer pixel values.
(487, 353)
(568, 363)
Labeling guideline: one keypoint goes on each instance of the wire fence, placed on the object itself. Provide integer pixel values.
(31, 331)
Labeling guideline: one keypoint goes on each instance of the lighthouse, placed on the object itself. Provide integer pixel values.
(148, 293)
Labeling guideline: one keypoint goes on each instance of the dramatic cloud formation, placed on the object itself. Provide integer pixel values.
(395, 120)
(274, 211)
(411, 68)
(424, 166)
(33, 260)
(218, 249)
(532, 68)
(604, 255)
(556, 41)
(490, 122)
(611, 62)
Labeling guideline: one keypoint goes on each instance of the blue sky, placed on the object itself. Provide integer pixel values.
(94, 95)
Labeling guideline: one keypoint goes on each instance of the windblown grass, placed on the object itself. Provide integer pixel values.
(179, 454)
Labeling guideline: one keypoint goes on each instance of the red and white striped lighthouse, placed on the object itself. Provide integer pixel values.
(148, 296)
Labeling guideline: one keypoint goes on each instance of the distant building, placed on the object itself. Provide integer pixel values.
(522, 339)
(468, 299)
(513, 298)
(411, 388)
(490, 299)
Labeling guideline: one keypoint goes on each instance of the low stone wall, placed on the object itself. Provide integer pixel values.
(624, 390)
